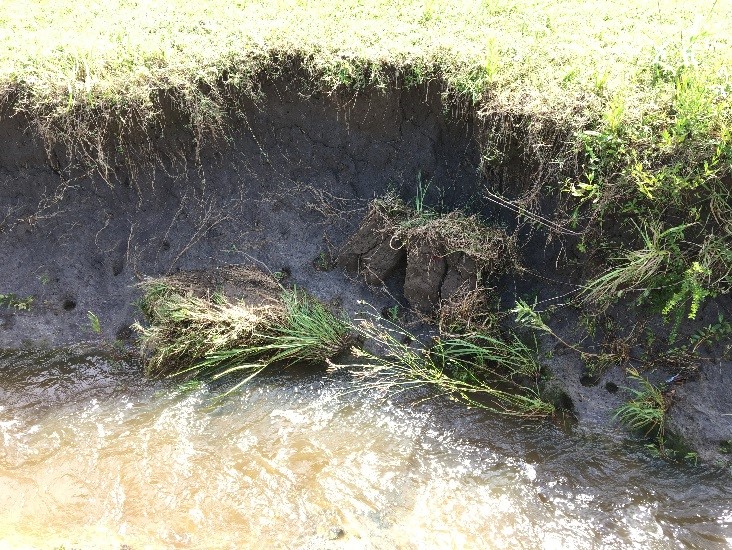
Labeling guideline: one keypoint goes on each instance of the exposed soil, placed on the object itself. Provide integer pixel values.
(372, 251)
(287, 191)
(440, 254)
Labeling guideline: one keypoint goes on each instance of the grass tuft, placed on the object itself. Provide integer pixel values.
(637, 268)
(645, 412)
(500, 375)
(213, 337)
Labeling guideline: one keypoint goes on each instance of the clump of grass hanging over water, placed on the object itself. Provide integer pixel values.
(213, 336)
(501, 375)
(645, 411)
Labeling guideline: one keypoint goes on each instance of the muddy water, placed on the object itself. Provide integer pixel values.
(94, 456)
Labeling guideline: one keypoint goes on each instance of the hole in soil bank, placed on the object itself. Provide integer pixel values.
(611, 387)
(588, 380)
(564, 402)
(7, 321)
(69, 304)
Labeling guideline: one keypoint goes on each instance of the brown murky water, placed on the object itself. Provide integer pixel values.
(94, 456)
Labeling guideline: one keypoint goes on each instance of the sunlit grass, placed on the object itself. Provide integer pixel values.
(540, 56)
(213, 337)
(500, 374)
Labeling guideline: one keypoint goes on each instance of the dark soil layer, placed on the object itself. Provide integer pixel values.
(287, 190)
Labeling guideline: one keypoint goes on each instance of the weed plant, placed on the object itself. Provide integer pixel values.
(645, 412)
(15, 302)
(669, 166)
(637, 268)
(94, 324)
(501, 375)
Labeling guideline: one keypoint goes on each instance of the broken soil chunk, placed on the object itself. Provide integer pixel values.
(368, 237)
(381, 262)
(461, 271)
(425, 271)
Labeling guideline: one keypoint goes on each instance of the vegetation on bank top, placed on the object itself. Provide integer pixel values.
(557, 58)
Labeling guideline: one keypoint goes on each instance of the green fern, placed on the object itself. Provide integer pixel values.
(692, 290)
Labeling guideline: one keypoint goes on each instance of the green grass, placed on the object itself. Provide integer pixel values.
(15, 302)
(94, 324)
(211, 337)
(490, 372)
(604, 78)
(645, 411)
(635, 269)
(566, 60)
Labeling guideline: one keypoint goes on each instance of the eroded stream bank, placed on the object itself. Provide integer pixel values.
(94, 455)
(285, 191)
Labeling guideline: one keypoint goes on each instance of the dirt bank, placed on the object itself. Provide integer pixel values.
(286, 190)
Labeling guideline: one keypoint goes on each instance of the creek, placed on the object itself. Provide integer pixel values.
(94, 455)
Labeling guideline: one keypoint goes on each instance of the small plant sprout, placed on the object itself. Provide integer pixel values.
(422, 188)
(15, 302)
(323, 262)
(527, 315)
(94, 324)
(392, 313)
(232, 249)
